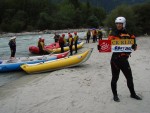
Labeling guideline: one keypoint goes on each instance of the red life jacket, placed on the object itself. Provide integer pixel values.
(61, 40)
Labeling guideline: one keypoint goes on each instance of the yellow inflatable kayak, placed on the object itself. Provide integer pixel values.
(57, 64)
(58, 50)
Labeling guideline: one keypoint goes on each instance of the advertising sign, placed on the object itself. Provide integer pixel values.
(122, 45)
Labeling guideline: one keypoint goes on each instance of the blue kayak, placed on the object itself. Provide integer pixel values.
(14, 65)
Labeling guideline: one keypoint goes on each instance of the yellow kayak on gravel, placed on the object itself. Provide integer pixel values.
(70, 61)
(58, 50)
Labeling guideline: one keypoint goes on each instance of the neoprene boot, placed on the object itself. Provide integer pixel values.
(136, 97)
(116, 99)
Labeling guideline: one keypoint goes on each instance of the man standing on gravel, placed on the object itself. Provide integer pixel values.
(119, 60)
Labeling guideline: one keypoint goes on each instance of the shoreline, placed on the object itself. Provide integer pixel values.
(41, 32)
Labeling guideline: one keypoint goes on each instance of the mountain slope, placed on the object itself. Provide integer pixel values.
(108, 5)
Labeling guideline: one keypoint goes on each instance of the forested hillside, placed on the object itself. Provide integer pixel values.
(22, 15)
(31, 15)
(108, 5)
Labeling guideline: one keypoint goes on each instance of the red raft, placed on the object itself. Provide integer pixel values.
(35, 49)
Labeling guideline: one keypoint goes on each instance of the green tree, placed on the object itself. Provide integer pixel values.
(143, 17)
(2, 9)
(125, 11)
(22, 17)
(7, 20)
(17, 26)
(86, 13)
(30, 15)
(93, 21)
(100, 14)
(44, 21)
(75, 3)
(64, 17)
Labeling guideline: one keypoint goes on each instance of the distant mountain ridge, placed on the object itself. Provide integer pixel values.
(108, 5)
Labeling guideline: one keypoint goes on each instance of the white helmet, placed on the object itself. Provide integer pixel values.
(121, 20)
(12, 38)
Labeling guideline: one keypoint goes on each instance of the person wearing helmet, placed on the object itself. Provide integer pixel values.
(75, 41)
(63, 35)
(70, 42)
(110, 31)
(62, 42)
(119, 61)
(56, 37)
(100, 34)
(68, 37)
(12, 45)
(65, 41)
(41, 45)
(94, 35)
(88, 36)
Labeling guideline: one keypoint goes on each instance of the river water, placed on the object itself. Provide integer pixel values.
(23, 43)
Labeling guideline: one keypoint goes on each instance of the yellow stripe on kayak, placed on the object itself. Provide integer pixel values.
(57, 64)
(58, 50)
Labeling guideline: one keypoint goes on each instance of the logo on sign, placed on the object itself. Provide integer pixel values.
(105, 45)
(121, 48)
(118, 48)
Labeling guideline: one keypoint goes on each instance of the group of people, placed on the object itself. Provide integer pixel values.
(67, 42)
(96, 34)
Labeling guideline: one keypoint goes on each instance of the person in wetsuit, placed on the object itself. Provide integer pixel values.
(70, 41)
(88, 36)
(12, 45)
(56, 37)
(62, 42)
(94, 33)
(119, 60)
(41, 45)
(76, 37)
(100, 34)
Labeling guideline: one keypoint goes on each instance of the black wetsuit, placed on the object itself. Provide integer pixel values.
(100, 35)
(56, 38)
(76, 43)
(70, 45)
(88, 36)
(12, 46)
(119, 61)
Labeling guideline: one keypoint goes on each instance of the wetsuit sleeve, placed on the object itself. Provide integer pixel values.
(133, 37)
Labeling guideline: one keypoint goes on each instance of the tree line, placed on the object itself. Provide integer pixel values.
(137, 17)
(31, 15)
